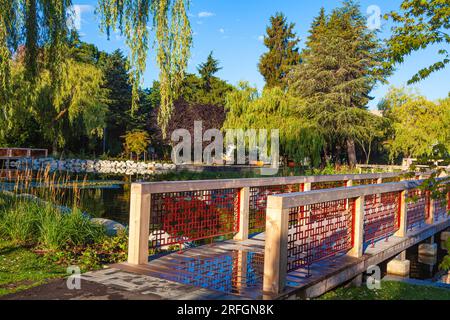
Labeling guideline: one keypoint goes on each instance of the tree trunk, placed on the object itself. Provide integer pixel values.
(351, 151)
(55, 147)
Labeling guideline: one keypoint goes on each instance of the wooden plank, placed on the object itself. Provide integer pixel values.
(178, 186)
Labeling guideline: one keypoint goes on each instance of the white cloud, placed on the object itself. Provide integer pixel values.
(261, 38)
(76, 12)
(222, 30)
(205, 14)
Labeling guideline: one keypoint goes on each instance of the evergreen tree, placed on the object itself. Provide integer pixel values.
(208, 69)
(120, 97)
(341, 65)
(283, 54)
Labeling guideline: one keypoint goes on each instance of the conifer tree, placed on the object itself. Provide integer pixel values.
(283, 53)
(208, 69)
(341, 65)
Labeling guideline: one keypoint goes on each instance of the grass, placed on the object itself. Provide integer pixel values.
(21, 269)
(390, 290)
(38, 242)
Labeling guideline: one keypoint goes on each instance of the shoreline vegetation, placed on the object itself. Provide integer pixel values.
(390, 290)
(38, 241)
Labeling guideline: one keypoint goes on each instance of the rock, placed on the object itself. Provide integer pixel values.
(112, 227)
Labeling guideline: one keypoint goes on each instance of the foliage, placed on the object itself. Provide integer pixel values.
(194, 91)
(390, 290)
(137, 141)
(185, 114)
(173, 40)
(275, 109)
(76, 106)
(420, 23)
(207, 70)
(283, 54)
(340, 66)
(418, 124)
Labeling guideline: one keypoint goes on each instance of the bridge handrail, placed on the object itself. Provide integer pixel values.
(158, 210)
(302, 228)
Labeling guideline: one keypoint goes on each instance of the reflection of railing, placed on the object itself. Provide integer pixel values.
(304, 228)
(14, 153)
(177, 212)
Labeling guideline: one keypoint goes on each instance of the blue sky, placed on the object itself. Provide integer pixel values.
(233, 29)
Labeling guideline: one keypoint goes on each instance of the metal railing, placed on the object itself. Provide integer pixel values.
(7, 153)
(304, 228)
(163, 214)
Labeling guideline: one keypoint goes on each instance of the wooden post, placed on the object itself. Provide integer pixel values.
(358, 232)
(403, 215)
(275, 254)
(431, 212)
(244, 213)
(307, 186)
(139, 225)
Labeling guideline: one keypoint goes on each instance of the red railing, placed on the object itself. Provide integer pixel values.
(311, 226)
(181, 217)
(418, 208)
(319, 231)
(381, 216)
(22, 153)
(258, 203)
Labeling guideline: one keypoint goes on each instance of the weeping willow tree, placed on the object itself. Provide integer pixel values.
(42, 28)
(33, 25)
(173, 37)
(300, 138)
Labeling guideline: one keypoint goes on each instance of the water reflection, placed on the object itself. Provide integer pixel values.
(236, 271)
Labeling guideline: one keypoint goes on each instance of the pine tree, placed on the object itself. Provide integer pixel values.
(283, 53)
(342, 63)
(208, 69)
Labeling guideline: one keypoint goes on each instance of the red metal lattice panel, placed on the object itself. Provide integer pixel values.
(381, 216)
(258, 203)
(193, 215)
(417, 208)
(327, 185)
(441, 208)
(319, 231)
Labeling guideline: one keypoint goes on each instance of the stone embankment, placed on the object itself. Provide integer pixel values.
(92, 166)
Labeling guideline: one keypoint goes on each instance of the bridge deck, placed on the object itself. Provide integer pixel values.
(236, 267)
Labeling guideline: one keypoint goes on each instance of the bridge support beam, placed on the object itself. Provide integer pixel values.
(399, 266)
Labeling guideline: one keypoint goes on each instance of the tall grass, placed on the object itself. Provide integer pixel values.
(29, 222)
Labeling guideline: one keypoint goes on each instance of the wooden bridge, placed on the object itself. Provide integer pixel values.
(277, 237)
(17, 153)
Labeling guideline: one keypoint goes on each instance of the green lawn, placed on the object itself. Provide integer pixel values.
(21, 269)
(390, 290)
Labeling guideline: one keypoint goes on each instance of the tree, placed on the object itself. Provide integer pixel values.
(283, 53)
(194, 92)
(300, 139)
(137, 141)
(419, 126)
(119, 99)
(420, 23)
(208, 69)
(38, 24)
(340, 66)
